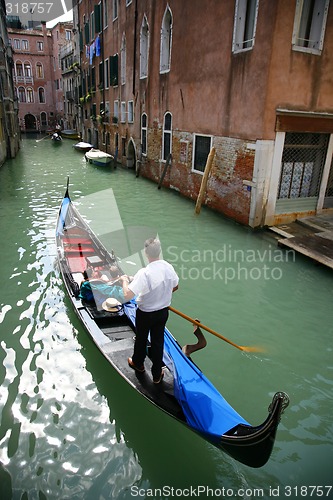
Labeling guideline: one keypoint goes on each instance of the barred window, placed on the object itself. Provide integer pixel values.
(303, 161)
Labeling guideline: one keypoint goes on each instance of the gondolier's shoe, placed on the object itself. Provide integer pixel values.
(158, 380)
(140, 369)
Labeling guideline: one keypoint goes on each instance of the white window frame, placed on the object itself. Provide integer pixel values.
(130, 111)
(317, 29)
(240, 19)
(17, 44)
(123, 112)
(166, 132)
(114, 10)
(40, 45)
(166, 41)
(116, 109)
(144, 153)
(193, 153)
(144, 47)
(25, 45)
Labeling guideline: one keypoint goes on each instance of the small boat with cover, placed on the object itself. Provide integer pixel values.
(83, 146)
(185, 393)
(98, 157)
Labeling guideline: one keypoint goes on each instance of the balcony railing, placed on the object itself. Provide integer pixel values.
(23, 79)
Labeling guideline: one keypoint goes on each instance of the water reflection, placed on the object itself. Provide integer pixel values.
(71, 428)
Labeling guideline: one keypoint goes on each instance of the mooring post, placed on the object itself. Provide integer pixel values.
(168, 161)
(202, 191)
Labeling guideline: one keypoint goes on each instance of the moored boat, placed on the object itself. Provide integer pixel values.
(98, 157)
(70, 134)
(185, 393)
(83, 146)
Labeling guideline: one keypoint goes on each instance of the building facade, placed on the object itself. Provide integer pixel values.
(9, 130)
(38, 75)
(164, 82)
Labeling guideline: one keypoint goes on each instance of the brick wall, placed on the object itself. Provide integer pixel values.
(233, 163)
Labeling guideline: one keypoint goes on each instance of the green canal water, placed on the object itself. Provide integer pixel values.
(70, 427)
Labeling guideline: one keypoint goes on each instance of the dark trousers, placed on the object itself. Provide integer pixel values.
(153, 322)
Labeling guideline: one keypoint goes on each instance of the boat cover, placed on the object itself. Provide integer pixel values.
(204, 407)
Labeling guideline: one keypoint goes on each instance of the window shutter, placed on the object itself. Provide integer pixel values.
(86, 33)
(97, 12)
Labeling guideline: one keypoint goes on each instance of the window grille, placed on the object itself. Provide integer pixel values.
(303, 161)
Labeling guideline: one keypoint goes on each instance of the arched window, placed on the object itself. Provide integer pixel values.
(19, 71)
(166, 39)
(43, 119)
(39, 70)
(21, 94)
(144, 124)
(30, 94)
(123, 61)
(144, 46)
(41, 95)
(167, 136)
(27, 70)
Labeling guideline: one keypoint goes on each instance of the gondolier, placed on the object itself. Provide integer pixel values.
(153, 286)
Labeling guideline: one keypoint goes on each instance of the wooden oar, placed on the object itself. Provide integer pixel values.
(45, 137)
(195, 322)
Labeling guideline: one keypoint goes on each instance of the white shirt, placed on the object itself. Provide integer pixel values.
(153, 285)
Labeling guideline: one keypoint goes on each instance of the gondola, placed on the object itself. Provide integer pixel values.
(185, 393)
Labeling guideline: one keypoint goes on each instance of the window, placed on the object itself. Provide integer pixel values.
(167, 136)
(144, 44)
(40, 46)
(98, 17)
(92, 25)
(130, 112)
(21, 94)
(201, 148)
(19, 70)
(144, 123)
(27, 70)
(115, 111)
(123, 112)
(123, 61)
(105, 13)
(115, 9)
(106, 73)
(309, 25)
(30, 94)
(68, 34)
(246, 12)
(114, 70)
(17, 44)
(166, 38)
(101, 75)
(25, 45)
(43, 119)
(39, 70)
(303, 161)
(41, 95)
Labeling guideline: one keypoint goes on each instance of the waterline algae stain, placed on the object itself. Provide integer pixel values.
(70, 427)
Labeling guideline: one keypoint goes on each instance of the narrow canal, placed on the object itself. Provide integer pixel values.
(70, 428)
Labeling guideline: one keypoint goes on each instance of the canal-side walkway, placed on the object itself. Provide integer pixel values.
(309, 236)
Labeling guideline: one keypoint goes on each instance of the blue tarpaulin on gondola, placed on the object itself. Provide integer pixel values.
(204, 407)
